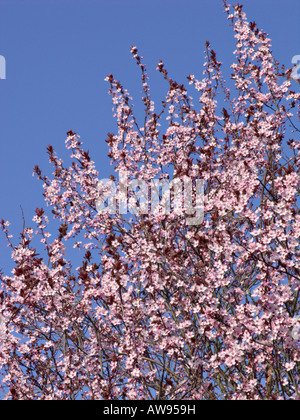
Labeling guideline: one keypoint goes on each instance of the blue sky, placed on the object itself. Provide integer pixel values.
(58, 53)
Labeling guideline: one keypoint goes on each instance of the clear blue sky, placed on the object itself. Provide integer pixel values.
(58, 53)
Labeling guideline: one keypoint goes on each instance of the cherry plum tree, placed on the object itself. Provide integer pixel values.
(154, 307)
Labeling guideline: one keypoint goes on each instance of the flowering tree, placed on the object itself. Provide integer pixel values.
(158, 308)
